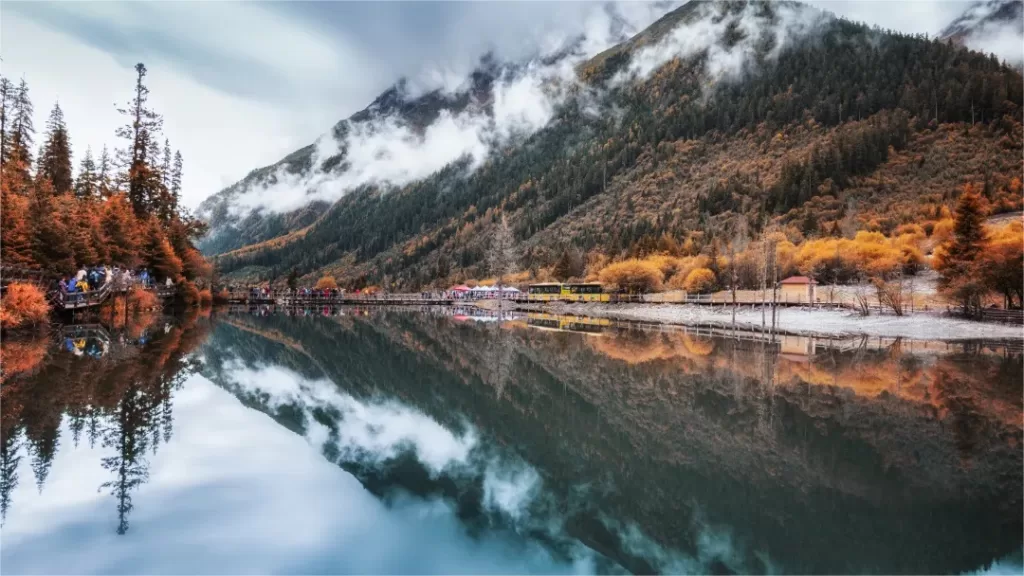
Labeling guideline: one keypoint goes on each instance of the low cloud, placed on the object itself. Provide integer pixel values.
(388, 151)
(749, 29)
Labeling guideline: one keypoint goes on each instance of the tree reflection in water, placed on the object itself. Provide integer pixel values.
(115, 386)
(854, 455)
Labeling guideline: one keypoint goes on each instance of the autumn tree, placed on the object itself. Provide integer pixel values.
(141, 129)
(55, 155)
(957, 261)
(120, 230)
(632, 276)
(51, 242)
(157, 251)
(326, 283)
(1002, 263)
(699, 281)
(15, 224)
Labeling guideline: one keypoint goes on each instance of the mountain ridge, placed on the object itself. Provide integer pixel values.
(422, 231)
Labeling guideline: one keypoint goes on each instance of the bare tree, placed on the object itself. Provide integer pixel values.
(861, 299)
(738, 244)
(890, 294)
(501, 260)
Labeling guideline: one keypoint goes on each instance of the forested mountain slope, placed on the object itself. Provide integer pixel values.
(719, 112)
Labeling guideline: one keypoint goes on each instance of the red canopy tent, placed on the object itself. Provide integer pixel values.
(461, 288)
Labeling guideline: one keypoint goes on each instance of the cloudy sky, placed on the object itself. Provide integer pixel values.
(242, 85)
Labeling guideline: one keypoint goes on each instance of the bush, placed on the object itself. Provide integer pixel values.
(326, 283)
(23, 305)
(699, 280)
(632, 276)
(205, 297)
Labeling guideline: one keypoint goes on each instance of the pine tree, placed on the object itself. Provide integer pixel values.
(87, 184)
(175, 184)
(103, 174)
(7, 92)
(121, 232)
(55, 154)
(22, 129)
(51, 246)
(165, 167)
(158, 253)
(143, 126)
(957, 262)
(15, 230)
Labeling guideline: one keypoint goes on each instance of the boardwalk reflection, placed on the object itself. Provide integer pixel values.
(112, 387)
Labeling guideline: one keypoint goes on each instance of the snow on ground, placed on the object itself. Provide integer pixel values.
(924, 326)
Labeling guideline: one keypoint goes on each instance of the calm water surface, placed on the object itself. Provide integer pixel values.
(385, 441)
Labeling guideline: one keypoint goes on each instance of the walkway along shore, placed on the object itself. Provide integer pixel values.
(799, 321)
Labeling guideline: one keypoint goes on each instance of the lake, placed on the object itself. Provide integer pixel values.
(453, 441)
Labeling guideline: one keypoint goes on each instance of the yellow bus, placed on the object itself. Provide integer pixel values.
(563, 323)
(576, 292)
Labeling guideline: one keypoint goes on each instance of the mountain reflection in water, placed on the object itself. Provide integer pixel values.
(397, 441)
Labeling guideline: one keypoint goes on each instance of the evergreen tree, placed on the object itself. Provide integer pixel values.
(957, 262)
(103, 175)
(158, 252)
(7, 92)
(143, 126)
(9, 460)
(22, 129)
(175, 180)
(55, 154)
(15, 224)
(128, 438)
(165, 167)
(87, 184)
(121, 234)
(51, 242)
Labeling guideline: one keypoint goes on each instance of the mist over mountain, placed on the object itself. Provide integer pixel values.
(711, 114)
(991, 26)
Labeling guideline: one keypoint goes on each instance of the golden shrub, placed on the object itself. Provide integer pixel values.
(699, 281)
(23, 305)
(326, 283)
(632, 276)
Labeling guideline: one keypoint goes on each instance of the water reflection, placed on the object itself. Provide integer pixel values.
(458, 441)
(114, 390)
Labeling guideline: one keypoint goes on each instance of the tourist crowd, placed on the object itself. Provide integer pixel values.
(90, 278)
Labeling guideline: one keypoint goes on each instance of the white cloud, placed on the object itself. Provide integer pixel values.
(724, 61)
(221, 135)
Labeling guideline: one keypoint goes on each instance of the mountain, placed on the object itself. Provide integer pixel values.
(991, 26)
(716, 113)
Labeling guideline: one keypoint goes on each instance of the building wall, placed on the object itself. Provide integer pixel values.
(797, 293)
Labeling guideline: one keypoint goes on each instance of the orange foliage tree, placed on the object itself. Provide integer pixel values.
(633, 276)
(326, 283)
(23, 305)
